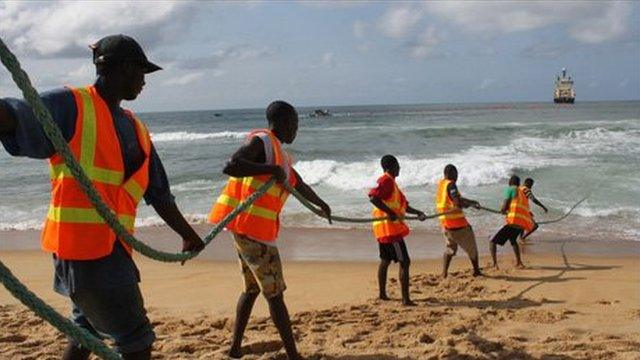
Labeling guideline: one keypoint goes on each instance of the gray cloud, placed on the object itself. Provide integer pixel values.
(218, 57)
(65, 29)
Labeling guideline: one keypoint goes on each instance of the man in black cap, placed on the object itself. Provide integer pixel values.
(92, 267)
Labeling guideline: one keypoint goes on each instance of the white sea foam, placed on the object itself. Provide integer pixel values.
(479, 165)
(183, 136)
(195, 185)
(583, 142)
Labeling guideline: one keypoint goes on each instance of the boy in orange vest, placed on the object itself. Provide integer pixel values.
(389, 201)
(516, 207)
(255, 230)
(455, 227)
(528, 185)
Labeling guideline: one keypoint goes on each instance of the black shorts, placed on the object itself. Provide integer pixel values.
(508, 232)
(395, 251)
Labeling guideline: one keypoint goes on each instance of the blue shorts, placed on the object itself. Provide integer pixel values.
(115, 313)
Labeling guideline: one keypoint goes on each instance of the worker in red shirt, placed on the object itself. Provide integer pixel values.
(390, 202)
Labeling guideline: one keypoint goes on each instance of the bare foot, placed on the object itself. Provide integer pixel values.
(520, 266)
(477, 273)
(408, 303)
(444, 275)
(235, 354)
(383, 297)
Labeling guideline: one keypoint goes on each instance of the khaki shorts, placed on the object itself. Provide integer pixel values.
(261, 267)
(464, 238)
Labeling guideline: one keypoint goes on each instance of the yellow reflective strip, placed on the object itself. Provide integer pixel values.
(106, 176)
(89, 129)
(520, 216)
(254, 183)
(128, 221)
(58, 171)
(134, 189)
(74, 215)
(252, 210)
(84, 216)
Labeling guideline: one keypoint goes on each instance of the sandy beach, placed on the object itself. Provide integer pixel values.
(568, 304)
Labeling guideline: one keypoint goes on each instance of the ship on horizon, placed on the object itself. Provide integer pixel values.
(564, 92)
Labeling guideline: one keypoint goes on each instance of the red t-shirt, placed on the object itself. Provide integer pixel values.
(383, 191)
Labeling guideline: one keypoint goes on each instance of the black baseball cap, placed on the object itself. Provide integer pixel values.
(114, 48)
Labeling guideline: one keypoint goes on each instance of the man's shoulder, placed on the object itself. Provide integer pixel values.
(61, 96)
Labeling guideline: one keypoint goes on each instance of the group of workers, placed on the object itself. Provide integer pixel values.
(390, 202)
(94, 268)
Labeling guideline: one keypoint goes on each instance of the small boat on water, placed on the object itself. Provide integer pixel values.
(320, 113)
(564, 91)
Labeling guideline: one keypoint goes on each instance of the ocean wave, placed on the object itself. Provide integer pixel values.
(181, 136)
(584, 142)
(196, 185)
(618, 211)
(479, 165)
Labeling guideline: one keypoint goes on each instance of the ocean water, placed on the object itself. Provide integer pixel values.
(587, 149)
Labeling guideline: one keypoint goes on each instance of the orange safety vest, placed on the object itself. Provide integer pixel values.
(260, 221)
(397, 203)
(454, 219)
(519, 212)
(73, 230)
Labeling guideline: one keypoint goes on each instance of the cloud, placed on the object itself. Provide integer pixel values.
(487, 83)
(328, 59)
(612, 25)
(185, 79)
(624, 82)
(586, 21)
(424, 45)
(399, 21)
(233, 53)
(359, 28)
(65, 29)
(546, 50)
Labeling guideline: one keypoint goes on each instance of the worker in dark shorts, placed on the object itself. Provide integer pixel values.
(528, 185)
(390, 202)
(455, 227)
(518, 220)
(92, 266)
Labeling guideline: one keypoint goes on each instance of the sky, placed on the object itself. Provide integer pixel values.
(223, 55)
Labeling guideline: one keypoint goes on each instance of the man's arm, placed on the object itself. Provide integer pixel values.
(22, 134)
(421, 215)
(505, 206)
(249, 161)
(535, 201)
(8, 122)
(308, 193)
(382, 206)
(172, 216)
(457, 199)
(159, 196)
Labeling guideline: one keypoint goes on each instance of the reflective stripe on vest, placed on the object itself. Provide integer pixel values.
(73, 229)
(455, 219)
(260, 220)
(386, 228)
(519, 213)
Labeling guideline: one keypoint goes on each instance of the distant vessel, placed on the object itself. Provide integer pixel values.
(564, 92)
(320, 113)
